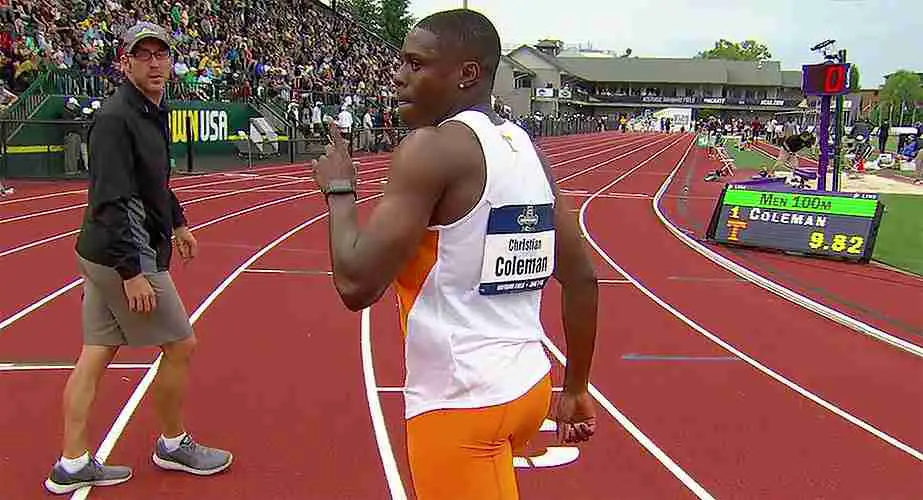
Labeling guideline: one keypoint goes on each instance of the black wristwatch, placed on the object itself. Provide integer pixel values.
(339, 186)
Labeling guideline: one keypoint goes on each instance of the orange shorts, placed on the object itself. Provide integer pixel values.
(467, 454)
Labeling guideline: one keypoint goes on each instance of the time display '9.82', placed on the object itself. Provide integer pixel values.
(836, 225)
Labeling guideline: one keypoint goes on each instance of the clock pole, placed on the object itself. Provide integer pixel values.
(839, 128)
(823, 136)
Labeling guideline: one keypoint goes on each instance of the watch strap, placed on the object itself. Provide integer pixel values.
(338, 186)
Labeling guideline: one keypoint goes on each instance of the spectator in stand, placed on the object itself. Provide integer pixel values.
(345, 123)
(367, 140)
(7, 98)
(316, 115)
(283, 48)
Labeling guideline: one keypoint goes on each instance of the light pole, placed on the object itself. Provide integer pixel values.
(464, 4)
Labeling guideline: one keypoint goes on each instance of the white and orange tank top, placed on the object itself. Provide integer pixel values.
(470, 298)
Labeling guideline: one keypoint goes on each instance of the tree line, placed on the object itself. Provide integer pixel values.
(390, 19)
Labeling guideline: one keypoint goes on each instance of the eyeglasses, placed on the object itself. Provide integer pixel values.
(146, 55)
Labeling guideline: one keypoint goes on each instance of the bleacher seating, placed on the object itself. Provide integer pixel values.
(226, 49)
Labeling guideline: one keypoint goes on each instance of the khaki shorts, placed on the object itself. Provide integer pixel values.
(107, 320)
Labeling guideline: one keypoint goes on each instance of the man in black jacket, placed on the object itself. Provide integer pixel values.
(124, 252)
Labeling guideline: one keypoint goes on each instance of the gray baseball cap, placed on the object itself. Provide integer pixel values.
(141, 31)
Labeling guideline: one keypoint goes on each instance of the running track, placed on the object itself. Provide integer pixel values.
(708, 386)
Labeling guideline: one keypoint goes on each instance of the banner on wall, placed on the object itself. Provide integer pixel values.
(679, 117)
(210, 122)
(207, 125)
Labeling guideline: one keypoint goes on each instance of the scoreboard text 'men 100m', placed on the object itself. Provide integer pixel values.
(830, 224)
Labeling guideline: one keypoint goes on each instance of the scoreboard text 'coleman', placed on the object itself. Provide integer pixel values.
(826, 224)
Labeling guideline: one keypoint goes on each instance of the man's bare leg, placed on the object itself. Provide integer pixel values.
(176, 450)
(78, 468)
(170, 385)
(79, 394)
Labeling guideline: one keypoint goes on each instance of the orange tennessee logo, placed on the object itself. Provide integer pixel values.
(736, 226)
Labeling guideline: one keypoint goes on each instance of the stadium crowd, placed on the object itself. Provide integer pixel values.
(225, 49)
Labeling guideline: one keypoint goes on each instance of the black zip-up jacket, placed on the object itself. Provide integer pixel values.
(131, 212)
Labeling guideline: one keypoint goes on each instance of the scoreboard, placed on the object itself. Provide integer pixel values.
(825, 224)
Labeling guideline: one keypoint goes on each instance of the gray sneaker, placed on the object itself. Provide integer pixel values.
(93, 474)
(192, 458)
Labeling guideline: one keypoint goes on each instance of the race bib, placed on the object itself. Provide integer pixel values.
(518, 250)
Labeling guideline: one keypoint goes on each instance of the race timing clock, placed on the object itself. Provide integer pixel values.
(825, 79)
(825, 224)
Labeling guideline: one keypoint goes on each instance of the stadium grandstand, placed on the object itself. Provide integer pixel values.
(547, 79)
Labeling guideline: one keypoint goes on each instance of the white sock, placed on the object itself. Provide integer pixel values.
(72, 465)
(171, 444)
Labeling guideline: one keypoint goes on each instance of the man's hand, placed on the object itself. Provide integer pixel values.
(575, 414)
(140, 294)
(335, 164)
(186, 243)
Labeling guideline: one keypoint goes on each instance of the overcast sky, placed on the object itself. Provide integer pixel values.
(880, 36)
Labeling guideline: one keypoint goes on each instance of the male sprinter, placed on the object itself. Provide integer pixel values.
(469, 228)
(124, 251)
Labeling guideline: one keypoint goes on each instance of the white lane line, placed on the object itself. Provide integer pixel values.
(389, 390)
(296, 167)
(218, 191)
(610, 160)
(224, 194)
(392, 474)
(626, 196)
(774, 287)
(633, 429)
(43, 196)
(64, 289)
(731, 349)
(309, 272)
(567, 149)
(39, 303)
(189, 187)
(39, 214)
(33, 215)
(76, 191)
(22, 367)
(65, 234)
(112, 436)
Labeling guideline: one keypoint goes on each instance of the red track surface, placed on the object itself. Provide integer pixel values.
(280, 378)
